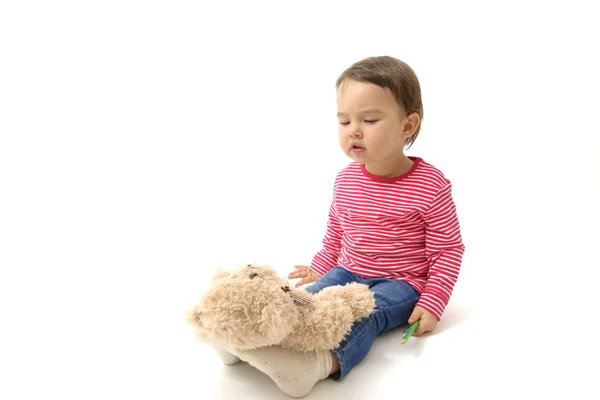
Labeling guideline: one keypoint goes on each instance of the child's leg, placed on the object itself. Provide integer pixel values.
(224, 355)
(335, 276)
(394, 301)
(295, 372)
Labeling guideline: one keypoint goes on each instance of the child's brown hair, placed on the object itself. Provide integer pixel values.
(389, 72)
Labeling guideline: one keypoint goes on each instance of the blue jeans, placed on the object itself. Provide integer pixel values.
(394, 302)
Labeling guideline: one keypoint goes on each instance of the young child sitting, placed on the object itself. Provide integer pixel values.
(392, 225)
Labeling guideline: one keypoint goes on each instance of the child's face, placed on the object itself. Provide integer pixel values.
(371, 124)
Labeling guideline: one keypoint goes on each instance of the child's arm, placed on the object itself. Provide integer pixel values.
(444, 249)
(327, 257)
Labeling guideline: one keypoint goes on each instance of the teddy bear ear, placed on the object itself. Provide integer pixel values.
(219, 273)
(194, 316)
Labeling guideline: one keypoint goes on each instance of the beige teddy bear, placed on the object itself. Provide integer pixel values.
(251, 306)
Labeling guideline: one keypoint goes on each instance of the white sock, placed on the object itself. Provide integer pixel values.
(224, 355)
(294, 372)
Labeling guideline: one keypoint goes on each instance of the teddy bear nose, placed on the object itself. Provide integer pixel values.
(254, 275)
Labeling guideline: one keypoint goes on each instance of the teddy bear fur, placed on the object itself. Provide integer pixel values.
(251, 306)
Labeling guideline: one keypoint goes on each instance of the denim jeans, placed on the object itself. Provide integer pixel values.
(394, 302)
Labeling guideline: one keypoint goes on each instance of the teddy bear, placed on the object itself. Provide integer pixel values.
(251, 306)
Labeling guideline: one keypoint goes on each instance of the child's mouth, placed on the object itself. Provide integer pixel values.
(357, 149)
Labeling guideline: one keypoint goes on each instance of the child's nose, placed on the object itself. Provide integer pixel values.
(355, 132)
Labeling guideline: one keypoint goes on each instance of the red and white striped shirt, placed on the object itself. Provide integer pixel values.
(400, 228)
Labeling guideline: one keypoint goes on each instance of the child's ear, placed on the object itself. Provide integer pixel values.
(410, 125)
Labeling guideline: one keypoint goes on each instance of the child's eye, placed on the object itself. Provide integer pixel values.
(371, 121)
(344, 123)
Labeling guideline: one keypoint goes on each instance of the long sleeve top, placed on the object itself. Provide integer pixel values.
(400, 228)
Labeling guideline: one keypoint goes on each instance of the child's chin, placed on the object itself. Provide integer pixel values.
(357, 156)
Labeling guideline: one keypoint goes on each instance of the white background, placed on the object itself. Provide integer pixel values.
(144, 144)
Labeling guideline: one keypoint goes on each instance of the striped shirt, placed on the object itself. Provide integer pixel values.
(401, 228)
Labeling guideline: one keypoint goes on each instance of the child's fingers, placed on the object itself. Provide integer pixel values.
(308, 278)
(416, 315)
(301, 282)
(298, 274)
(420, 330)
(425, 325)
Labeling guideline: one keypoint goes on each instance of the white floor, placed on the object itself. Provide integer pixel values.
(127, 343)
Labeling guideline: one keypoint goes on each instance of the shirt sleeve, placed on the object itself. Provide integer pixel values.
(444, 250)
(327, 257)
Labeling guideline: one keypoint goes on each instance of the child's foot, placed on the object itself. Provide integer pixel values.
(224, 355)
(294, 372)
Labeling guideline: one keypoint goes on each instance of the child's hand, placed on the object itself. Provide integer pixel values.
(427, 323)
(302, 271)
